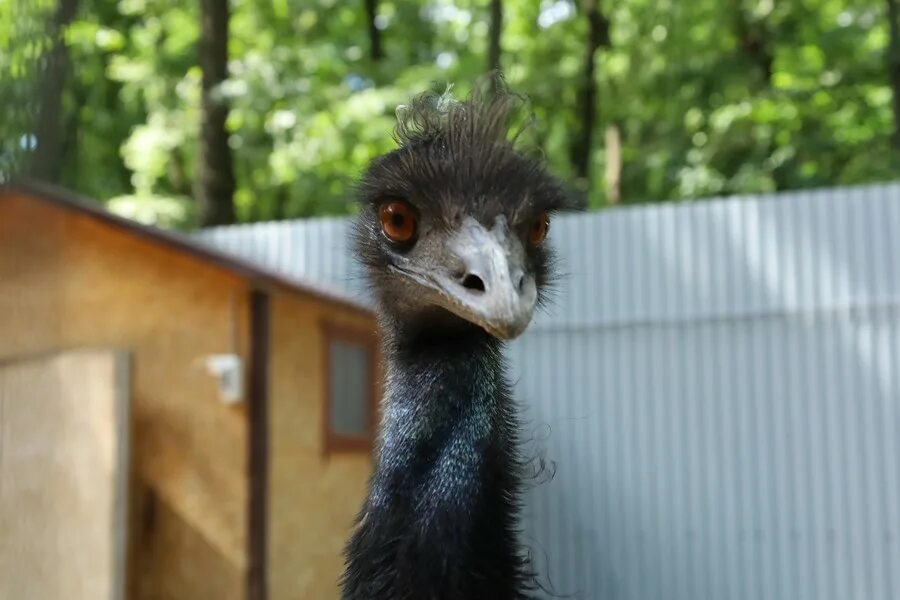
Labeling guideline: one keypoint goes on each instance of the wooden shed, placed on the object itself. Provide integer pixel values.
(207, 425)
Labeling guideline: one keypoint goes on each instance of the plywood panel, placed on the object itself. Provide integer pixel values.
(63, 465)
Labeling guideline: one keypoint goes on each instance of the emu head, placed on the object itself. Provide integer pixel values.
(452, 223)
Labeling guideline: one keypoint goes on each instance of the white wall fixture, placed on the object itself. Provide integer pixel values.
(228, 369)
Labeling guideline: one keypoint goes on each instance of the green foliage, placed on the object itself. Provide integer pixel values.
(23, 41)
(711, 97)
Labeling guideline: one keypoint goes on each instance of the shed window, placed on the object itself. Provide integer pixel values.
(350, 385)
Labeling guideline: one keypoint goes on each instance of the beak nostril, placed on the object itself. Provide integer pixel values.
(473, 282)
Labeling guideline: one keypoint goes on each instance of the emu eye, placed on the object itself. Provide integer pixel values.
(398, 221)
(539, 227)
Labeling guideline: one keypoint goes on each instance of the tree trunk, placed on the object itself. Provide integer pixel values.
(47, 160)
(598, 36)
(375, 50)
(753, 39)
(494, 34)
(215, 170)
(893, 65)
(613, 149)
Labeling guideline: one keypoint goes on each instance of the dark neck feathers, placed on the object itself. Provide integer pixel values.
(440, 520)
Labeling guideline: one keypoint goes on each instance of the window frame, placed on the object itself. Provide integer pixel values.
(357, 336)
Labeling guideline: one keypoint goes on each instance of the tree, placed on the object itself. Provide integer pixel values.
(216, 183)
(375, 51)
(597, 37)
(893, 65)
(684, 102)
(612, 145)
(753, 39)
(495, 31)
(46, 162)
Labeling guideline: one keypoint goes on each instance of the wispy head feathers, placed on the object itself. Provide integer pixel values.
(466, 157)
(491, 114)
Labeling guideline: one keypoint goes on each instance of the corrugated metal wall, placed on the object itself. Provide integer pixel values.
(718, 385)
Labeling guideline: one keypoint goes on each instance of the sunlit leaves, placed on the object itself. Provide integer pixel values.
(698, 115)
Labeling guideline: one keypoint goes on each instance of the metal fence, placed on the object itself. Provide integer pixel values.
(718, 385)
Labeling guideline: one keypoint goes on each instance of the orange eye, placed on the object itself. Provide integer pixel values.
(398, 221)
(539, 229)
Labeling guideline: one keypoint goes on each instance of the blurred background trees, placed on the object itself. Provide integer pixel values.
(130, 101)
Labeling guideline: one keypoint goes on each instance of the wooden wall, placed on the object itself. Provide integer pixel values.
(67, 281)
(314, 497)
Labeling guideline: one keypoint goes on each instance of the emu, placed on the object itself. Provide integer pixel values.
(451, 233)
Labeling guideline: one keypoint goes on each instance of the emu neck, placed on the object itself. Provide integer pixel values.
(444, 409)
(439, 522)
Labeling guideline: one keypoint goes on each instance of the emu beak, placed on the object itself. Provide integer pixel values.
(486, 282)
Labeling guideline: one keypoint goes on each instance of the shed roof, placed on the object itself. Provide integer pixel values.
(256, 275)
